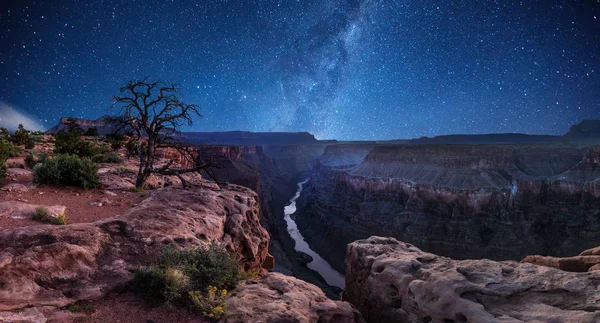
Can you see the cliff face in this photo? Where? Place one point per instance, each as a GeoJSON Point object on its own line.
{"type": "Point", "coordinates": [497, 202]}
{"type": "Point", "coordinates": [273, 172]}
{"type": "Point", "coordinates": [392, 281]}
{"type": "Point", "coordinates": [45, 265]}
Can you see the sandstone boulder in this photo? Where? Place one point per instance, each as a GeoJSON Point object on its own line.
{"type": "Point", "coordinates": [47, 265]}
{"type": "Point", "coordinates": [279, 298]}
{"type": "Point", "coordinates": [21, 210]}
{"type": "Point", "coordinates": [391, 281]}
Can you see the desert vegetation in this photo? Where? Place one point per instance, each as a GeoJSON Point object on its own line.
{"type": "Point", "coordinates": [67, 170]}
{"type": "Point", "coordinates": [154, 113]}
{"type": "Point", "coordinates": [199, 278]}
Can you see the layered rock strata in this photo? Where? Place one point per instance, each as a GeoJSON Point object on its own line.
{"type": "Point", "coordinates": [498, 202]}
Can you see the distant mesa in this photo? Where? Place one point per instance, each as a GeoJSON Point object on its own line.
{"type": "Point", "coordinates": [585, 131]}
{"type": "Point", "coordinates": [206, 138]}
{"type": "Point", "coordinates": [101, 124]}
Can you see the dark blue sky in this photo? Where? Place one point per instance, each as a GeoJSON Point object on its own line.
{"type": "Point", "coordinates": [339, 69]}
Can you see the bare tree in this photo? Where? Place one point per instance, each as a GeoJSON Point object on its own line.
{"type": "Point", "coordinates": [154, 111]}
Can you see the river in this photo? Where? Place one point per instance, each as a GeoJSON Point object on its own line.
{"type": "Point", "coordinates": [318, 264]}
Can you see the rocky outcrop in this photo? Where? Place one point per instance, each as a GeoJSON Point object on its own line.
{"type": "Point", "coordinates": [462, 201]}
{"type": "Point", "coordinates": [101, 124]}
{"type": "Point", "coordinates": [46, 265]}
{"type": "Point", "coordinates": [588, 260]}
{"type": "Point", "coordinates": [392, 281]}
{"type": "Point", "coordinates": [279, 298]}
{"type": "Point", "coordinates": [22, 210]}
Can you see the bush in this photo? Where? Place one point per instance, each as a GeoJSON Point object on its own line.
{"type": "Point", "coordinates": [176, 271]}
{"type": "Point", "coordinates": [210, 266]}
{"type": "Point", "coordinates": [23, 137]}
{"type": "Point", "coordinates": [41, 213]}
{"type": "Point", "coordinates": [162, 285]}
{"type": "Point", "coordinates": [107, 158]}
{"type": "Point", "coordinates": [71, 143]}
{"type": "Point", "coordinates": [131, 147]}
{"type": "Point", "coordinates": [34, 157]}
{"type": "Point", "coordinates": [7, 150]}
{"type": "Point", "coordinates": [67, 170]}
{"type": "Point", "coordinates": [212, 304]}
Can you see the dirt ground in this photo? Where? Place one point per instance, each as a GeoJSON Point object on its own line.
{"type": "Point", "coordinates": [127, 308]}
{"type": "Point", "coordinates": [82, 205]}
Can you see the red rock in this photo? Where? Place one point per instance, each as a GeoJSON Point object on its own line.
{"type": "Point", "coordinates": [46, 265]}
{"type": "Point", "coordinates": [279, 298]}
{"type": "Point", "coordinates": [392, 281]}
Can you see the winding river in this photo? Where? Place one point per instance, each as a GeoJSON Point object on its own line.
{"type": "Point", "coordinates": [318, 264]}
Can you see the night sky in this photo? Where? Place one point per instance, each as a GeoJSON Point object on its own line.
{"type": "Point", "coordinates": [338, 69]}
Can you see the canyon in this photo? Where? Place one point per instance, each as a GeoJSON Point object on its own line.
{"type": "Point", "coordinates": [462, 201]}
{"type": "Point", "coordinates": [450, 229]}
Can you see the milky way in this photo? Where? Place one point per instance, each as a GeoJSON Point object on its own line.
{"type": "Point", "coordinates": [349, 69]}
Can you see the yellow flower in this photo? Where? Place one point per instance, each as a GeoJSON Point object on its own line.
{"type": "Point", "coordinates": [223, 292]}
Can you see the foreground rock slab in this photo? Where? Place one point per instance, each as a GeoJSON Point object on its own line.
{"type": "Point", "coordinates": [391, 281]}
{"type": "Point", "coordinates": [45, 265]}
{"type": "Point", "coordinates": [280, 298]}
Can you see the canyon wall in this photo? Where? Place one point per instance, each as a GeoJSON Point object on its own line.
{"type": "Point", "coordinates": [273, 171]}
{"type": "Point", "coordinates": [462, 201]}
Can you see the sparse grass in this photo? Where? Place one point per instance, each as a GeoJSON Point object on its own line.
{"type": "Point", "coordinates": [41, 213]}
{"type": "Point", "coordinates": [123, 170]}
{"type": "Point", "coordinates": [110, 157]}
{"type": "Point", "coordinates": [138, 189]}
{"type": "Point", "coordinates": [81, 307]}
{"type": "Point", "coordinates": [59, 219]}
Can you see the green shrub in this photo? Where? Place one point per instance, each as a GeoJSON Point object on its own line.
{"type": "Point", "coordinates": [212, 266]}
{"type": "Point", "coordinates": [7, 150]}
{"type": "Point", "coordinates": [67, 170]}
{"type": "Point", "coordinates": [176, 271]}
{"type": "Point", "coordinates": [34, 157]}
{"type": "Point", "coordinates": [23, 137]}
{"type": "Point", "coordinates": [131, 147]}
{"type": "Point", "coordinates": [107, 158]}
{"type": "Point", "coordinates": [41, 213]}
{"type": "Point", "coordinates": [71, 143]}
{"type": "Point", "coordinates": [161, 285]}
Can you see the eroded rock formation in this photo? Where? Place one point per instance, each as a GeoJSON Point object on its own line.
{"type": "Point", "coordinates": [392, 281]}
{"type": "Point", "coordinates": [46, 265]}
{"type": "Point", "coordinates": [279, 298]}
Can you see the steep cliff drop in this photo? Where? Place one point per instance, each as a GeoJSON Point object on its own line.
{"type": "Point", "coordinates": [318, 264]}
{"type": "Point", "coordinates": [463, 201]}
